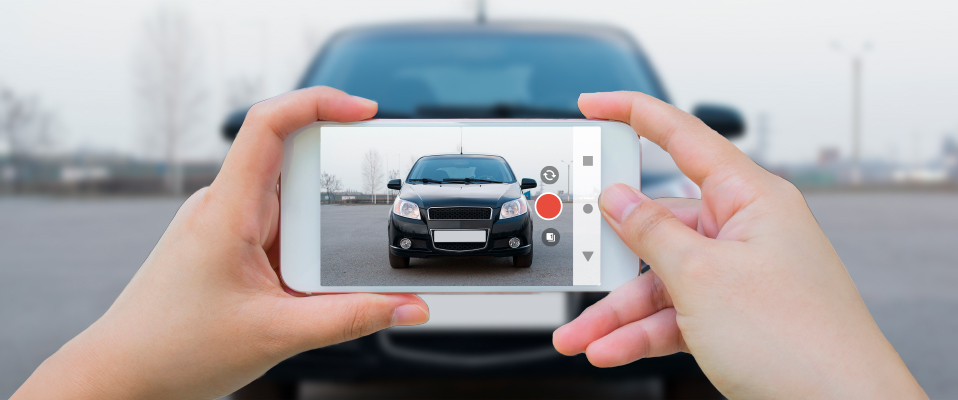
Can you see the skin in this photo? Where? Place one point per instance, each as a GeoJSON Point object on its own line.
{"type": "Point", "coordinates": [744, 279]}
{"type": "Point", "coordinates": [207, 313]}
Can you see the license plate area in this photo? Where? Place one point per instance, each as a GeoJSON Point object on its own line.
{"type": "Point", "coordinates": [459, 236]}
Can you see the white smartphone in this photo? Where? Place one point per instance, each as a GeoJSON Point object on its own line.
{"type": "Point", "coordinates": [454, 206]}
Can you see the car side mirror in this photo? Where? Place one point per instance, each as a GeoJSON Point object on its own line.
{"type": "Point", "coordinates": [233, 123]}
{"type": "Point", "coordinates": [395, 184]}
{"type": "Point", "coordinates": [527, 184]}
{"type": "Point", "coordinates": [723, 119]}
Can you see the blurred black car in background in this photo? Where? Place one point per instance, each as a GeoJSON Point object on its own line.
{"type": "Point", "coordinates": [495, 70]}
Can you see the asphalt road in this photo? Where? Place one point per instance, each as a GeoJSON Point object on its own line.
{"type": "Point", "coordinates": [62, 262]}
{"type": "Point", "coordinates": [354, 253]}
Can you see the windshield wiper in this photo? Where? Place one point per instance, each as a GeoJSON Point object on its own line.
{"type": "Point", "coordinates": [470, 180]}
{"type": "Point", "coordinates": [424, 180]}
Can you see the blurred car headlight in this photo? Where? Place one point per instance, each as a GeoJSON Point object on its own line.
{"type": "Point", "coordinates": [405, 209]}
{"type": "Point", "coordinates": [513, 208]}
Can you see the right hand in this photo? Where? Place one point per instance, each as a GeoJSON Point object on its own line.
{"type": "Point", "coordinates": [744, 279]}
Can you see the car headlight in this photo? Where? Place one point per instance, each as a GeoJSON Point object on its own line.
{"type": "Point", "coordinates": [513, 208]}
{"type": "Point", "coordinates": [406, 209]}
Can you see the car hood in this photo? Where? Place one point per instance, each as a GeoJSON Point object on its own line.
{"type": "Point", "coordinates": [460, 195]}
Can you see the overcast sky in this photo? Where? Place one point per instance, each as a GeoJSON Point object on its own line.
{"type": "Point", "coordinates": [763, 57]}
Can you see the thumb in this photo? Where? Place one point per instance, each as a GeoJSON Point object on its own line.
{"type": "Point", "coordinates": [325, 320]}
{"type": "Point", "coordinates": [653, 232]}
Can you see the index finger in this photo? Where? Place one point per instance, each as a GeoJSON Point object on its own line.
{"type": "Point", "coordinates": [697, 149]}
{"type": "Point", "coordinates": [252, 167]}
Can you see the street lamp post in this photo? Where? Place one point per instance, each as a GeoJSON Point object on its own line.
{"type": "Point", "coordinates": [568, 177]}
{"type": "Point", "coordinates": [856, 173]}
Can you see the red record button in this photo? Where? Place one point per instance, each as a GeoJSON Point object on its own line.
{"type": "Point", "coordinates": [548, 206]}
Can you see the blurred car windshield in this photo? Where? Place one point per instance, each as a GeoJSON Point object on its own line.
{"type": "Point", "coordinates": [480, 74]}
{"type": "Point", "coordinates": [460, 168]}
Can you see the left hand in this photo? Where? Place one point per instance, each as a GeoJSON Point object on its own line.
{"type": "Point", "coordinates": [207, 313]}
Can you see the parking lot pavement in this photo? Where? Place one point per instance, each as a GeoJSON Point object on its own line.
{"type": "Point", "coordinates": [900, 249]}
{"type": "Point", "coordinates": [355, 244]}
{"type": "Point", "coordinates": [63, 262]}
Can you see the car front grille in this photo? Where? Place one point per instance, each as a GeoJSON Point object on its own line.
{"type": "Point", "coordinates": [460, 213]}
{"type": "Point", "coordinates": [460, 246]}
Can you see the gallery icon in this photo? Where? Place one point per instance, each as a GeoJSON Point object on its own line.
{"type": "Point", "coordinates": [550, 237]}
{"type": "Point", "coordinates": [549, 174]}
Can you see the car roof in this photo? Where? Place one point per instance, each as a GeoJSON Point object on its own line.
{"type": "Point", "coordinates": [605, 32]}
{"type": "Point", "coordinates": [464, 155]}
{"type": "Point", "coordinates": [602, 32]}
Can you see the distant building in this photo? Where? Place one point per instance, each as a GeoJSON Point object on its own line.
{"type": "Point", "coordinates": [96, 173]}
{"type": "Point", "coordinates": [828, 156]}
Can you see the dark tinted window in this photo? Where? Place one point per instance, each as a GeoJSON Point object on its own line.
{"type": "Point", "coordinates": [458, 167]}
{"type": "Point", "coordinates": [463, 75]}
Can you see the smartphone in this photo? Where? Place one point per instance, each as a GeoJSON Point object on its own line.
{"type": "Point", "coordinates": [454, 206]}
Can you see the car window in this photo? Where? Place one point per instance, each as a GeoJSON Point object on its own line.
{"type": "Point", "coordinates": [470, 75]}
{"type": "Point", "coordinates": [457, 167]}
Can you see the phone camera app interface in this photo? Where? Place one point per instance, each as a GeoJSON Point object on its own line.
{"type": "Point", "coordinates": [459, 206]}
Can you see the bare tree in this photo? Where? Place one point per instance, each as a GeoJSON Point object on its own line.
{"type": "Point", "coordinates": [25, 126]}
{"type": "Point", "coordinates": [373, 171]}
{"type": "Point", "coordinates": [169, 85]}
{"type": "Point", "coordinates": [331, 183]}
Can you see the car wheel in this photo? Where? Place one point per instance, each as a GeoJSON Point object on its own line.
{"type": "Point", "coordinates": [522, 261]}
{"type": "Point", "coordinates": [397, 261]}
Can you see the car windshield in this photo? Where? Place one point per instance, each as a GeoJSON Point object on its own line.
{"type": "Point", "coordinates": [480, 74]}
{"type": "Point", "coordinates": [460, 169]}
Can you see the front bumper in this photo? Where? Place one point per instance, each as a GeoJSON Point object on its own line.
{"type": "Point", "coordinates": [498, 233]}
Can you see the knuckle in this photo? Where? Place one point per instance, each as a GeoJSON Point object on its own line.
{"type": "Point", "coordinates": [257, 111]}
{"type": "Point", "coordinates": [784, 194]}
{"type": "Point", "coordinates": [199, 194]}
{"type": "Point", "coordinates": [647, 217]}
{"type": "Point", "coordinates": [359, 320]}
{"type": "Point", "coordinates": [783, 187]}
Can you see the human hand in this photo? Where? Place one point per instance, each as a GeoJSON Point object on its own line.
{"type": "Point", "coordinates": [744, 279]}
{"type": "Point", "coordinates": [207, 313]}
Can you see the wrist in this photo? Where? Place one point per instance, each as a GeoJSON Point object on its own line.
{"type": "Point", "coordinates": [87, 367]}
{"type": "Point", "coordinates": [869, 367]}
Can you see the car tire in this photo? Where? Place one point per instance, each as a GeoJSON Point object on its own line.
{"type": "Point", "coordinates": [398, 262]}
{"type": "Point", "coordinates": [522, 261]}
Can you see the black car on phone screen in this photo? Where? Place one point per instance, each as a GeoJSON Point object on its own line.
{"type": "Point", "coordinates": [456, 205]}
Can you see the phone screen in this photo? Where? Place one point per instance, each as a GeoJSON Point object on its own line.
{"type": "Point", "coordinates": [460, 206]}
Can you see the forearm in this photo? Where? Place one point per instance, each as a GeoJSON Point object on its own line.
{"type": "Point", "coordinates": [81, 369]}
{"type": "Point", "coordinates": [873, 370]}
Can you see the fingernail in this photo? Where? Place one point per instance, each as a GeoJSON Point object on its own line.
{"type": "Point", "coordinates": [583, 96]}
{"type": "Point", "coordinates": [366, 102]}
{"type": "Point", "coordinates": [618, 201]}
{"type": "Point", "coordinates": [409, 314]}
